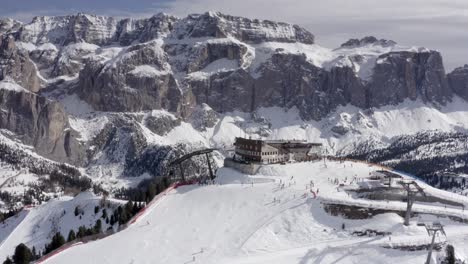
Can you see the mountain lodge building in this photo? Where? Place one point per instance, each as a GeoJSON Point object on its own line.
{"type": "Point", "coordinates": [275, 151]}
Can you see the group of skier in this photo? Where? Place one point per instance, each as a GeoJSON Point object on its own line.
{"type": "Point", "coordinates": [309, 187]}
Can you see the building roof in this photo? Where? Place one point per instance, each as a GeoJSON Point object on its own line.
{"type": "Point", "coordinates": [280, 141]}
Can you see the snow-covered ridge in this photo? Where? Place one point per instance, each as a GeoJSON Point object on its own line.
{"type": "Point", "coordinates": [95, 29]}
{"type": "Point", "coordinates": [69, 40]}
{"type": "Point", "coordinates": [11, 86]}
{"type": "Point", "coordinates": [147, 71]}
{"type": "Point", "coordinates": [215, 24]}
{"type": "Point", "coordinates": [67, 29]}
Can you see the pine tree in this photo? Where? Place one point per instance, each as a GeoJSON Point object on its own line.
{"type": "Point", "coordinates": [98, 227]}
{"type": "Point", "coordinates": [151, 192]}
{"type": "Point", "coordinates": [77, 211]}
{"type": "Point", "coordinates": [22, 254]}
{"type": "Point", "coordinates": [81, 232]}
{"type": "Point", "coordinates": [34, 253]}
{"type": "Point", "coordinates": [104, 213]}
{"type": "Point", "coordinates": [71, 236]}
{"type": "Point", "coordinates": [129, 208]}
{"type": "Point", "coordinates": [8, 261]}
{"type": "Point", "coordinates": [96, 209]}
{"type": "Point", "coordinates": [57, 241]}
{"type": "Point", "coordinates": [89, 231]}
{"type": "Point", "coordinates": [136, 208]}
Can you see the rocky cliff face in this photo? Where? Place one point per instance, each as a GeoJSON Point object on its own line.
{"type": "Point", "coordinates": [15, 64]}
{"type": "Point", "coordinates": [401, 75]}
{"type": "Point", "coordinates": [142, 30]}
{"type": "Point", "coordinates": [138, 80]}
{"type": "Point", "coordinates": [164, 62]}
{"type": "Point", "coordinates": [458, 81]}
{"type": "Point", "coordinates": [8, 24]}
{"type": "Point", "coordinates": [39, 122]}
{"type": "Point", "coordinates": [63, 30]}
{"type": "Point", "coordinates": [217, 25]}
{"type": "Point", "coordinates": [197, 68]}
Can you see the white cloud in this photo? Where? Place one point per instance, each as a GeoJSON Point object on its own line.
{"type": "Point", "coordinates": [435, 24]}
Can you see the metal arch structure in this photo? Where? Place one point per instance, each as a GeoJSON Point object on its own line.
{"type": "Point", "coordinates": [178, 162]}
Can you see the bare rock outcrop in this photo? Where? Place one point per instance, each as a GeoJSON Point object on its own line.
{"type": "Point", "coordinates": [138, 80]}
{"type": "Point", "coordinates": [41, 123]}
{"type": "Point", "coordinates": [217, 25]}
{"type": "Point", "coordinates": [63, 30]}
{"type": "Point", "coordinates": [458, 80]}
{"type": "Point", "coordinates": [401, 75]}
{"type": "Point", "coordinates": [15, 64]}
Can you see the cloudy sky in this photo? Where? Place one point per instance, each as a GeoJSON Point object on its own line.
{"type": "Point", "coordinates": [435, 24]}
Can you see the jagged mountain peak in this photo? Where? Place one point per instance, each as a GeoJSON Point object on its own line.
{"type": "Point", "coordinates": [62, 30]}
{"type": "Point", "coordinates": [96, 29]}
{"type": "Point", "coordinates": [458, 80]}
{"type": "Point", "coordinates": [368, 40]}
{"type": "Point", "coordinates": [8, 25]}
{"type": "Point", "coordinates": [219, 25]}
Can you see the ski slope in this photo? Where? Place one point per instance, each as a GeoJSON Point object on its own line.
{"type": "Point", "coordinates": [251, 219]}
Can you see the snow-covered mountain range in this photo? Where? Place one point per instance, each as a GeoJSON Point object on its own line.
{"type": "Point", "coordinates": [117, 99]}
{"type": "Point", "coordinates": [101, 104]}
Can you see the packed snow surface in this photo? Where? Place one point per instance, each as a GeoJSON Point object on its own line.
{"type": "Point", "coordinates": [251, 219]}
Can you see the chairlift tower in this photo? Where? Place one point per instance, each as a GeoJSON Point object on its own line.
{"type": "Point", "coordinates": [412, 189]}
{"type": "Point", "coordinates": [432, 231]}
